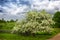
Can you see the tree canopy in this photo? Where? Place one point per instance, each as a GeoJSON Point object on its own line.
{"type": "Point", "coordinates": [56, 18]}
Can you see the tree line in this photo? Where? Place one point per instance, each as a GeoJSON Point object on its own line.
{"type": "Point", "coordinates": [4, 21]}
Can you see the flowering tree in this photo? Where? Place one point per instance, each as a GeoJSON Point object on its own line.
{"type": "Point", "coordinates": [35, 22]}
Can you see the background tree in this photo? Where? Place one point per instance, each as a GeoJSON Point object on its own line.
{"type": "Point", "coordinates": [2, 20]}
{"type": "Point", "coordinates": [56, 18]}
{"type": "Point", "coordinates": [12, 20]}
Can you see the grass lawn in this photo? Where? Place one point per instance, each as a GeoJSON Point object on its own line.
{"type": "Point", "coordinates": [7, 36]}
{"type": "Point", "coordinates": [57, 30]}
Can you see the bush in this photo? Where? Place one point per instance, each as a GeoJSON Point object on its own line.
{"type": "Point", "coordinates": [35, 22]}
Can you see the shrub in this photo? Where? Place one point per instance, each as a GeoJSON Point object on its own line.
{"type": "Point", "coordinates": [35, 22]}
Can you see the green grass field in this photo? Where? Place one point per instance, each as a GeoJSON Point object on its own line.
{"type": "Point", "coordinates": [6, 36]}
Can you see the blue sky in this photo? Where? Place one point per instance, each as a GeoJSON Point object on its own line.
{"type": "Point", "coordinates": [16, 9]}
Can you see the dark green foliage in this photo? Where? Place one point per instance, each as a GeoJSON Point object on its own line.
{"type": "Point", "coordinates": [2, 21]}
{"type": "Point", "coordinates": [56, 18]}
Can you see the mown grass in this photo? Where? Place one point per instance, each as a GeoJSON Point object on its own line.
{"type": "Point", "coordinates": [6, 36]}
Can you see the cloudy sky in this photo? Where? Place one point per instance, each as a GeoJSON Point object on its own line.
{"type": "Point", "coordinates": [16, 9]}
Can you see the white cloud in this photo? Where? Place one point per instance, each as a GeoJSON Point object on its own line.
{"type": "Point", "coordinates": [45, 4]}
{"type": "Point", "coordinates": [18, 9]}
{"type": "Point", "coordinates": [35, 4]}
{"type": "Point", "coordinates": [14, 9]}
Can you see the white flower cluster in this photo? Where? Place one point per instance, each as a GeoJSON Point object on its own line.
{"type": "Point", "coordinates": [35, 22]}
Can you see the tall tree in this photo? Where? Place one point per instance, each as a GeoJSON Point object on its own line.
{"type": "Point", "coordinates": [56, 18]}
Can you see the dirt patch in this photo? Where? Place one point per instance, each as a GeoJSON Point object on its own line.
{"type": "Point", "coordinates": [57, 37]}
